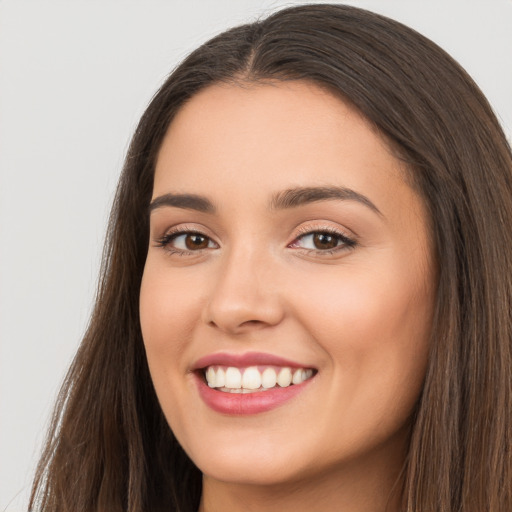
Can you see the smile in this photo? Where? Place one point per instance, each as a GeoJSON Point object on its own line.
{"type": "Point", "coordinates": [250, 383]}
{"type": "Point", "coordinates": [252, 379]}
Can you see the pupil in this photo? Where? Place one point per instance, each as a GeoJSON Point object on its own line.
{"type": "Point", "coordinates": [196, 242]}
{"type": "Point", "coordinates": [325, 241]}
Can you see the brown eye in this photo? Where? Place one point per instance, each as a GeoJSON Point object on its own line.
{"type": "Point", "coordinates": [325, 241]}
{"type": "Point", "coordinates": [186, 241]}
{"type": "Point", "coordinates": [194, 241]}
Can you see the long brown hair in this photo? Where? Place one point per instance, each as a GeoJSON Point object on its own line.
{"type": "Point", "coordinates": [110, 448]}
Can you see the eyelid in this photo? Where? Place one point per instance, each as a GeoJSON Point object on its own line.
{"type": "Point", "coordinates": [184, 228]}
{"type": "Point", "coordinates": [348, 241]}
{"type": "Point", "coordinates": [174, 232]}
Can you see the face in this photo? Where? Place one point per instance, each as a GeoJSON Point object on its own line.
{"type": "Point", "coordinates": [288, 290]}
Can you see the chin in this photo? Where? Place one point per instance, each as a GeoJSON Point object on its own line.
{"type": "Point", "coordinates": [250, 464]}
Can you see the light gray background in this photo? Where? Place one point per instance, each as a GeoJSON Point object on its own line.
{"type": "Point", "coordinates": [75, 75]}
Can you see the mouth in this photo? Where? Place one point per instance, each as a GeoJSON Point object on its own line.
{"type": "Point", "coordinates": [254, 379]}
{"type": "Point", "coordinates": [250, 383]}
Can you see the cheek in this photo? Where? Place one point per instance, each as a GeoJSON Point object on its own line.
{"type": "Point", "coordinates": [168, 314]}
{"type": "Point", "coordinates": [374, 325]}
{"type": "Point", "coordinates": [169, 309]}
{"type": "Point", "coordinates": [365, 308]}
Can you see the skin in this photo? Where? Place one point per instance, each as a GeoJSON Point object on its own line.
{"type": "Point", "coordinates": [360, 315]}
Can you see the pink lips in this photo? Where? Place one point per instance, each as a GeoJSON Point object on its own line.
{"type": "Point", "coordinates": [250, 403]}
{"type": "Point", "coordinates": [244, 360]}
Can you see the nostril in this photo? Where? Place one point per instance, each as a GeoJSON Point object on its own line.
{"type": "Point", "coordinates": [242, 326]}
{"type": "Point", "coordinates": [252, 322]}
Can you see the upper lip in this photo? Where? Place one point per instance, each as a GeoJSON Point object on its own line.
{"type": "Point", "coordinates": [244, 360]}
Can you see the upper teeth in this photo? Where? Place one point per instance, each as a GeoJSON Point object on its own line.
{"type": "Point", "coordinates": [253, 378]}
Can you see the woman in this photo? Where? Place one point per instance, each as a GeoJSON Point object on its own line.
{"type": "Point", "coordinates": [306, 292]}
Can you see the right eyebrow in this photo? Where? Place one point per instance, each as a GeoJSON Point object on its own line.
{"type": "Point", "coordinates": [186, 201]}
{"type": "Point", "coordinates": [299, 196]}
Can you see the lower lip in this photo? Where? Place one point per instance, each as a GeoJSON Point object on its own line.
{"type": "Point", "coordinates": [247, 403]}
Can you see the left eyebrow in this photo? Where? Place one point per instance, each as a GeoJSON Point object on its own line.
{"type": "Point", "coordinates": [304, 195]}
{"type": "Point", "coordinates": [185, 201]}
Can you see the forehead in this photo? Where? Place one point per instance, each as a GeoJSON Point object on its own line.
{"type": "Point", "coordinates": [249, 141]}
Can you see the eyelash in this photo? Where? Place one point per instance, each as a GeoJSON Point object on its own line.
{"type": "Point", "coordinates": [345, 242]}
{"type": "Point", "coordinates": [165, 241]}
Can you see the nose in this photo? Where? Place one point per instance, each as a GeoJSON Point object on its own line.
{"type": "Point", "coordinates": [245, 294]}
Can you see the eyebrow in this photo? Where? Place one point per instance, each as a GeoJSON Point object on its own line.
{"type": "Point", "coordinates": [290, 198]}
{"type": "Point", "coordinates": [299, 196]}
{"type": "Point", "coordinates": [185, 201]}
